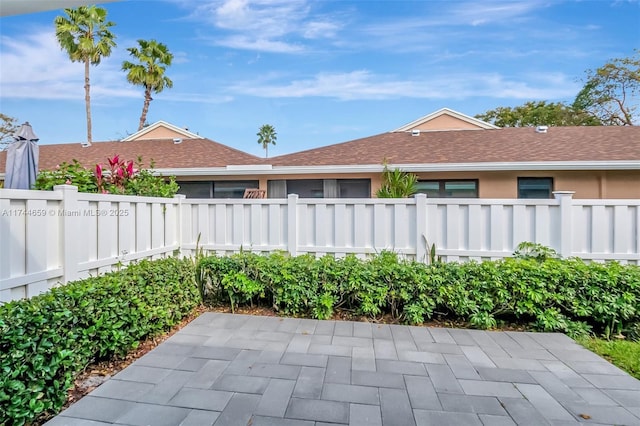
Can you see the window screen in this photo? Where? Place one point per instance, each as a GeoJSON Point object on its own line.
{"type": "Point", "coordinates": [232, 188]}
{"type": "Point", "coordinates": [354, 188]}
{"type": "Point", "coordinates": [448, 188]}
{"type": "Point", "coordinates": [535, 187]}
{"type": "Point", "coordinates": [216, 189]}
{"type": "Point", "coordinates": [306, 188]}
{"type": "Point", "coordinates": [195, 189]}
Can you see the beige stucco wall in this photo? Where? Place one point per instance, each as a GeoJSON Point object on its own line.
{"type": "Point", "coordinates": [446, 122]}
{"type": "Point", "coordinates": [586, 184]}
{"type": "Point", "coordinates": [160, 133]}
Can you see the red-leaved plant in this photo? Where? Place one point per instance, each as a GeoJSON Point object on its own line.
{"type": "Point", "coordinates": [115, 178]}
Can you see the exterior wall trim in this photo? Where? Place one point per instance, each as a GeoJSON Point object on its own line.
{"type": "Point", "coordinates": [238, 170]}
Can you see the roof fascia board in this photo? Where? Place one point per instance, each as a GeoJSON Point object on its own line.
{"type": "Point", "coordinates": [187, 134]}
{"type": "Point", "coordinates": [415, 168]}
{"type": "Point", "coordinates": [442, 111]}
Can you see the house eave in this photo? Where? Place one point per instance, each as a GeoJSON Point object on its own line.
{"type": "Point", "coordinates": [267, 169]}
{"type": "Point", "coordinates": [239, 170]}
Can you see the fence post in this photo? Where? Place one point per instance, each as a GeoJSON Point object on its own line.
{"type": "Point", "coordinates": [566, 221]}
{"type": "Point", "coordinates": [421, 228]}
{"type": "Point", "coordinates": [71, 233]}
{"type": "Point", "coordinates": [179, 229]}
{"type": "Point", "coordinates": [5, 248]}
{"type": "Point", "coordinates": [292, 224]}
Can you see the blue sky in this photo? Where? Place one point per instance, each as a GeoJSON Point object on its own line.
{"type": "Point", "coordinates": [320, 72]}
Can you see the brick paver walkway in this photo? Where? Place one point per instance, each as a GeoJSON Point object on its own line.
{"type": "Point", "coordinates": [241, 370]}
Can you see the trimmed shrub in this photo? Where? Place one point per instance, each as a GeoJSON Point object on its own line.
{"type": "Point", "coordinates": [47, 340]}
{"type": "Point", "coordinates": [543, 292]}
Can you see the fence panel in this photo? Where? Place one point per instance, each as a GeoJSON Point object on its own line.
{"type": "Point", "coordinates": [51, 237]}
{"type": "Point", "coordinates": [226, 226]}
{"type": "Point", "coordinates": [607, 230]}
{"type": "Point", "coordinates": [357, 226]}
{"type": "Point", "coordinates": [59, 236]}
{"type": "Point", "coordinates": [484, 229]}
{"type": "Point", "coordinates": [29, 219]}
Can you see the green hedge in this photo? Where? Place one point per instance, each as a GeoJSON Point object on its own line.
{"type": "Point", "coordinates": [546, 294]}
{"type": "Point", "coordinates": [47, 340]}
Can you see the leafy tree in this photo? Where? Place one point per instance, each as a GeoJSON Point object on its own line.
{"type": "Point", "coordinates": [267, 135]}
{"type": "Point", "coordinates": [397, 184]}
{"type": "Point", "coordinates": [86, 37]}
{"type": "Point", "coordinates": [539, 113]}
{"type": "Point", "coordinates": [8, 127]}
{"type": "Point", "coordinates": [611, 92]}
{"type": "Point", "coordinates": [149, 71]}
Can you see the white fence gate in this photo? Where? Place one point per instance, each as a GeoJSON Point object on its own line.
{"type": "Point", "coordinates": [59, 236]}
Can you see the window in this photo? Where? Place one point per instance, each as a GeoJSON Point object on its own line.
{"type": "Point", "coordinates": [195, 189]}
{"type": "Point", "coordinates": [448, 188]}
{"type": "Point", "coordinates": [320, 188]}
{"type": "Point", "coordinates": [232, 188]}
{"type": "Point", "coordinates": [306, 188]}
{"type": "Point", "coordinates": [216, 189]}
{"type": "Point", "coordinates": [529, 187]}
{"type": "Point", "coordinates": [277, 188]}
{"type": "Point", "coordinates": [354, 188]}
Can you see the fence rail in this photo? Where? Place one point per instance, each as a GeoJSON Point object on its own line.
{"type": "Point", "coordinates": [63, 235]}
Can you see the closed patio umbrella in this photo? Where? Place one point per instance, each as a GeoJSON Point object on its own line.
{"type": "Point", "coordinates": [22, 159]}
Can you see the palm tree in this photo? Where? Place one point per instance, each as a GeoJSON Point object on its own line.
{"type": "Point", "coordinates": [153, 59]}
{"type": "Point", "coordinates": [267, 135]}
{"type": "Point", "coordinates": [84, 34]}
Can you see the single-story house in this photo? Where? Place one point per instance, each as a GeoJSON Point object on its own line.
{"type": "Point", "coordinates": [452, 154]}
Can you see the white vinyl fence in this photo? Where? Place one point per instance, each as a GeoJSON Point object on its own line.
{"type": "Point", "coordinates": [59, 236]}
{"type": "Point", "coordinates": [50, 237]}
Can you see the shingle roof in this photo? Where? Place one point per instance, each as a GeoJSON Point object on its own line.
{"type": "Point", "coordinates": [166, 154]}
{"type": "Point", "coordinates": [511, 145]}
{"type": "Point", "coordinates": [602, 143]}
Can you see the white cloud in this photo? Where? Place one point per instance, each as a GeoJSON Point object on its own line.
{"type": "Point", "coordinates": [259, 44]}
{"type": "Point", "coordinates": [485, 12]}
{"type": "Point", "coordinates": [265, 25]}
{"type": "Point", "coordinates": [180, 58]}
{"type": "Point", "coordinates": [34, 67]}
{"type": "Point", "coordinates": [315, 30]}
{"type": "Point", "coordinates": [199, 98]}
{"type": "Point", "coordinates": [363, 85]}
{"type": "Point", "coordinates": [447, 24]}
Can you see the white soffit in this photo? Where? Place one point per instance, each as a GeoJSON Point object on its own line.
{"type": "Point", "coordinates": [415, 168]}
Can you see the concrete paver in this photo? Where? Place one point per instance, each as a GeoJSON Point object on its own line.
{"type": "Point", "coordinates": [225, 369]}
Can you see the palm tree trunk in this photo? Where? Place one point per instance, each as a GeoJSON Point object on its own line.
{"type": "Point", "coordinates": [87, 98]}
{"type": "Point", "coordinates": [145, 107]}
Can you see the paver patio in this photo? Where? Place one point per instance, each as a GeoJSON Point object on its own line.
{"type": "Point", "coordinates": [226, 369]}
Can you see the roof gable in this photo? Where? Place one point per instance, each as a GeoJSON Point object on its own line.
{"type": "Point", "coordinates": [161, 130]}
{"type": "Point", "coordinates": [445, 119]}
